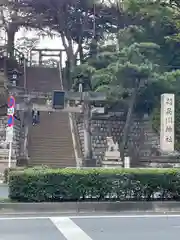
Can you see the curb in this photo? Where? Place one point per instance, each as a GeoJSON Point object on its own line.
{"type": "Point", "coordinates": [89, 207]}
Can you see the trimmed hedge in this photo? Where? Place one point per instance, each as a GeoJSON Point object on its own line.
{"type": "Point", "coordinates": [54, 185]}
{"type": "Point", "coordinates": [8, 170]}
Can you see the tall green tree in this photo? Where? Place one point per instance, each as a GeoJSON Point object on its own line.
{"type": "Point", "coordinates": [26, 44]}
{"type": "Point", "coordinates": [76, 22]}
{"type": "Point", "coordinates": [14, 16]}
{"type": "Point", "coordinates": [124, 73]}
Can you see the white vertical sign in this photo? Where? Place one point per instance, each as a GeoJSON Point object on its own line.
{"type": "Point", "coordinates": [9, 134]}
{"type": "Point", "coordinates": [167, 122]}
{"type": "Point", "coordinates": [127, 162]}
{"type": "Point", "coordinates": [10, 111]}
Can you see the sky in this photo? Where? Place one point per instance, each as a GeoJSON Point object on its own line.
{"type": "Point", "coordinates": [45, 42]}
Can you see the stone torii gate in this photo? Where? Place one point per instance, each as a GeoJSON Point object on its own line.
{"type": "Point", "coordinates": [44, 52]}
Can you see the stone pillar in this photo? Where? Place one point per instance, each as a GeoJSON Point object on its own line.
{"type": "Point", "coordinates": [89, 161]}
{"type": "Point", "coordinates": [127, 162]}
{"type": "Point", "coordinates": [61, 59]}
{"type": "Point", "coordinates": [167, 122]}
{"type": "Point", "coordinates": [87, 133]}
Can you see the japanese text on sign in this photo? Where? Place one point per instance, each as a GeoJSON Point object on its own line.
{"type": "Point", "coordinates": [167, 122]}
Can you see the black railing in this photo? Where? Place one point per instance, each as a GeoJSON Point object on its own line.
{"type": "Point", "coordinates": [19, 57]}
{"type": "Point", "coordinates": [16, 56]}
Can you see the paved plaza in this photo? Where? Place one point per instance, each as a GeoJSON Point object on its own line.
{"type": "Point", "coordinates": [136, 227]}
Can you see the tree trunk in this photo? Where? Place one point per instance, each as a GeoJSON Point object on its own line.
{"type": "Point", "coordinates": [72, 61]}
{"type": "Point", "coordinates": [3, 95]}
{"type": "Point", "coordinates": [10, 41]}
{"type": "Point", "coordinates": [128, 122]}
{"type": "Point", "coordinates": [71, 57]}
{"type": "Point", "coordinates": [93, 48]}
{"type": "Point", "coordinates": [81, 55]}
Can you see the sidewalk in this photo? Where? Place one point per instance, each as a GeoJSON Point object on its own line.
{"type": "Point", "coordinates": [3, 191]}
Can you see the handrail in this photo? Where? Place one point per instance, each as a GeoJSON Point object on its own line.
{"type": "Point", "coordinates": [33, 94]}
{"type": "Point", "coordinates": [18, 56]}
{"type": "Point", "coordinates": [26, 133]}
{"type": "Point", "coordinates": [77, 139]}
{"type": "Point", "coordinates": [60, 76]}
{"type": "Point", "coordinates": [26, 142]}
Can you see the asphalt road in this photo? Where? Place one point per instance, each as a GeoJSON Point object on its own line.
{"type": "Point", "coordinates": [127, 227]}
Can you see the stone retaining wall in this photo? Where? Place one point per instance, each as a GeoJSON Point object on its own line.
{"type": "Point", "coordinates": [141, 141]}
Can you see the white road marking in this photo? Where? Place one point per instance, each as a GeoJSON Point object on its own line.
{"type": "Point", "coordinates": [69, 229]}
{"type": "Point", "coordinates": [93, 217]}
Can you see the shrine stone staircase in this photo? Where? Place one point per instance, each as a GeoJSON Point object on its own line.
{"type": "Point", "coordinates": [50, 142]}
{"type": "Point", "coordinates": [43, 79]}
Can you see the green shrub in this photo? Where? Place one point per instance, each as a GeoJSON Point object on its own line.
{"type": "Point", "coordinates": [43, 185]}
{"type": "Point", "coordinates": [8, 170]}
{"type": "Point", "coordinates": [6, 175]}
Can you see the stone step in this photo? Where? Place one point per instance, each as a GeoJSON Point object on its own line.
{"type": "Point", "coordinates": [51, 145]}
{"type": "Point", "coordinates": [54, 165]}
{"type": "Point", "coordinates": [65, 162]}
{"type": "Point", "coordinates": [43, 138]}
{"type": "Point", "coordinates": [54, 155]}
